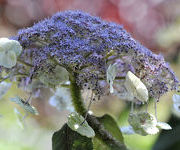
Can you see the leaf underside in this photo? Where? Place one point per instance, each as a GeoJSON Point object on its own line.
{"type": "Point", "coordinates": [67, 139]}
{"type": "Point", "coordinates": [112, 128]}
{"type": "Point", "coordinates": [83, 129]}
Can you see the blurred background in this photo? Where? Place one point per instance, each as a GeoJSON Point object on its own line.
{"type": "Point", "coordinates": [155, 23]}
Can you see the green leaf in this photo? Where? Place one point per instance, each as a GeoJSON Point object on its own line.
{"type": "Point", "coordinates": [67, 139]}
{"type": "Point", "coordinates": [98, 145]}
{"type": "Point", "coordinates": [75, 123]}
{"type": "Point", "coordinates": [112, 129]}
{"type": "Point", "coordinates": [111, 126]}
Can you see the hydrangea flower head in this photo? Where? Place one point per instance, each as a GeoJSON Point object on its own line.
{"type": "Point", "coordinates": [85, 46]}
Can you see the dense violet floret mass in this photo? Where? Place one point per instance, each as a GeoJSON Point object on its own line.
{"type": "Point", "coordinates": [86, 46]}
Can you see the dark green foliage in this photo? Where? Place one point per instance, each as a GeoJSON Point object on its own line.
{"type": "Point", "coordinates": [112, 130]}
{"type": "Point", "coordinates": [67, 139]}
{"type": "Point", "coordinates": [99, 145]}
{"type": "Point", "coordinates": [112, 127]}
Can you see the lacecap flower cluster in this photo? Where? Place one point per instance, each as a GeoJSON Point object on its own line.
{"type": "Point", "coordinates": [85, 46]}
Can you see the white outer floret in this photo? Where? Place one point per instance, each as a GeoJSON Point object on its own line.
{"type": "Point", "coordinates": [111, 74]}
{"type": "Point", "coordinates": [136, 87]}
{"type": "Point", "coordinates": [9, 50]}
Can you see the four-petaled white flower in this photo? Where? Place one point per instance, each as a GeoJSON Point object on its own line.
{"type": "Point", "coordinates": [9, 50]}
{"type": "Point", "coordinates": [144, 123]}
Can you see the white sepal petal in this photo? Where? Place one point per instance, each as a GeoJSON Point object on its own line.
{"type": "Point", "coordinates": [8, 59]}
{"type": "Point", "coordinates": [151, 130]}
{"type": "Point", "coordinates": [9, 50]}
{"type": "Point", "coordinates": [111, 74]}
{"type": "Point", "coordinates": [136, 87]}
{"type": "Point", "coordinates": [10, 45]}
{"type": "Point", "coordinates": [163, 125]}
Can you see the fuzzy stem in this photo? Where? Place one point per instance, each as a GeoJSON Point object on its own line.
{"type": "Point", "coordinates": [76, 97]}
{"type": "Point", "coordinates": [99, 129]}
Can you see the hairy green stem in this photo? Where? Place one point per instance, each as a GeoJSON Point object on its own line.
{"type": "Point", "coordinates": [99, 129]}
{"type": "Point", "coordinates": [76, 96]}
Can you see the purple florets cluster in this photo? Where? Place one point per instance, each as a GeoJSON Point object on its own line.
{"type": "Point", "coordinates": [85, 45]}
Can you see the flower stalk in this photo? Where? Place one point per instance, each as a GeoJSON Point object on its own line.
{"type": "Point", "coordinates": [99, 129]}
{"type": "Point", "coordinates": [76, 96]}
